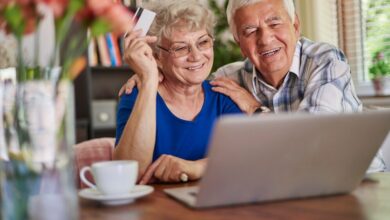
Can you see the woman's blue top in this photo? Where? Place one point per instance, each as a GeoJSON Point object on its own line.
{"type": "Point", "coordinates": [174, 136]}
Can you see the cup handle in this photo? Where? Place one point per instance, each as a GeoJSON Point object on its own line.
{"type": "Point", "coordinates": [84, 179]}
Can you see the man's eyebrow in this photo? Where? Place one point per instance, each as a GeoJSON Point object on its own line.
{"type": "Point", "coordinates": [248, 26]}
{"type": "Point", "coordinates": [273, 18]}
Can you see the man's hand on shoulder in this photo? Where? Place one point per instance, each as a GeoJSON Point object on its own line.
{"type": "Point", "coordinates": [132, 82]}
{"type": "Point", "coordinates": [244, 99]}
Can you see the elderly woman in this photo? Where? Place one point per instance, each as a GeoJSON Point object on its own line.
{"type": "Point", "coordinates": [166, 126]}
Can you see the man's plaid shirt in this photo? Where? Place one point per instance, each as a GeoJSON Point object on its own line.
{"type": "Point", "coordinates": [319, 80]}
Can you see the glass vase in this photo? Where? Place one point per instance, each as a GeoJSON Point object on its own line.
{"type": "Point", "coordinates": [37, 178]}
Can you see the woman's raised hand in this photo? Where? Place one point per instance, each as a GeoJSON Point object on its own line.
{"type": "Point", "coordinates": [139, 55]}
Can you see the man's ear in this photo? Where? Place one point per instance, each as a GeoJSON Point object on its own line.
{"type": "Point", "coordinates": [297, 26]}
{"type": "Point", "coordinates": [242, 52]}
{"type": "Point", "coordinates": [238, 43]}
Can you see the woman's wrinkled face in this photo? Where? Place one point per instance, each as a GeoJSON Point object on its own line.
{"type": "Point", "coordinates": [186, 57]}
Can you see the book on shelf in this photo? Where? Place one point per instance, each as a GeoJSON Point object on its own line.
{"type": "Point", "coordinates": [103, 51]}
{"type": "Point", "coordinates": [107, 50]}
{"type": "Point", "coordinates": [113, 49]}
{"type": "Point", "coordinates": [92, 53]}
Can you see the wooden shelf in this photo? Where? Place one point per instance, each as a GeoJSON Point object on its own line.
{"type": "Point", "coordinates": [97, 83]}
{"type": "Point", "coordinates": [104, 69]}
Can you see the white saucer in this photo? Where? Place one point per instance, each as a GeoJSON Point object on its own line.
{"type": "Point", "coordinates": [137, 192]}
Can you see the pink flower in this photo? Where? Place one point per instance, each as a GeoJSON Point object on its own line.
{"type": "Point", "coordinates": [58, 6]}
{"type": "Point", "coordinates": [23, 2]}
{"type": "Point", "coordinates": [99, 7]}
{"type": "Point", "coordinates": [119, 18]}
{"type": "Point", "coordinates": [380, 56]}
{"type": "Point", "coordinates": [29, 14]}
{"type": "Point", "coordinates": [3, 3]}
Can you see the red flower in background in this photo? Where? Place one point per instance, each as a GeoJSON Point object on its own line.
{"type": "Point", "coordinates": [119, 18]}
{"type": "Point", "coordinates": [31, 16]}
{"type": "Point", "coordinates": [21, 17]}
{"type": "Point", "coordinates": [57, 6]}
{"type": "Point", "coordinates": [19, 14]}
{"type": "Point", "coordinates": [116, 15]}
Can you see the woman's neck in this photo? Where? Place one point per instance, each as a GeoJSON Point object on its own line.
{"type": "Point", "coordinates": [183, 101]}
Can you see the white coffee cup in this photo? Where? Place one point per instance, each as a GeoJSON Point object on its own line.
{"type": "Point", "coordinates": [112, 177]}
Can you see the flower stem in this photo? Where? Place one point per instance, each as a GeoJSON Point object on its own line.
{"type": "Point", "coordinates": [21, 71]}
{"type": "Point", "coordinates": [36, 46]}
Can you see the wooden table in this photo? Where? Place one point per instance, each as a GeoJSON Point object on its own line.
{"type": "Point", "coordinates": [371, 200]}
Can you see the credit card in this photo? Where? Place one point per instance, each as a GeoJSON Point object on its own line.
{"type": "Point", "coordinates": [144, 19]}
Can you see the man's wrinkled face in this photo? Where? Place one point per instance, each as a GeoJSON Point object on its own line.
{"type": "Point", "coordinates": [267, 36]}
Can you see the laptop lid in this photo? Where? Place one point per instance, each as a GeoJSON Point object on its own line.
{"type": "Point", "coordinates": [273, 157]}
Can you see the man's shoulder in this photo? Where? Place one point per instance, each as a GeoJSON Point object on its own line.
{"type": "Point", "coordinates": [229, 69]}
{"type": "Point", "coordinates": [320, 51]}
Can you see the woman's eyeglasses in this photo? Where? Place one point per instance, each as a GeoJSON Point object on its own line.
{"type": "Point", "coordinates": [183, 49]}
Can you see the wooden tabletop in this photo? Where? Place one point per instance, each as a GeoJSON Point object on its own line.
{"type": "Point", "coordinates": [371, 200]}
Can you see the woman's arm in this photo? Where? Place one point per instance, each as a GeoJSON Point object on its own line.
{"type": "Point", "coordinates": [138, 136]}
{"type": "Point", "coordinates": [168, 168]}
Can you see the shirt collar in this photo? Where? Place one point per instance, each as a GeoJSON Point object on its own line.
{"type": "Point", "coordinates": [296, 60]}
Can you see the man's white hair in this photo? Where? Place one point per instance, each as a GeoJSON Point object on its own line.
{"type": "Point", "coordinates": [234, 5]}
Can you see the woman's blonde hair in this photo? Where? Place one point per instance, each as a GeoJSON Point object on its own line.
{"type": "Point", "coordinates": [183, 15]}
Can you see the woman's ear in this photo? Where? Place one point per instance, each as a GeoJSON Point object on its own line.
{"type": "Point", "coordinates": [157, 57]}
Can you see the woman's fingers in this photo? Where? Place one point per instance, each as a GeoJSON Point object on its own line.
{"type": "Point", "coordinates": [173, 168]}
{"type": "Point", "coordinates": [131, 36]}
{"type": "Point", "coordinates": [150, 171]}
{"type": "Point", "coordinates": [150, 39]}
{"type": "Point", "coordinates": [166, 168]}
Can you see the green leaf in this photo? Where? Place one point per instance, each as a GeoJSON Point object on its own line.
{"type": "Point", "coordinates": [380, 68]}
{"type": "Point", "coordinates": [14, 18]}
{"type": "Point", "coordinates": [76, 5]}
{"type": "Point", "coordinates": [99, 27]}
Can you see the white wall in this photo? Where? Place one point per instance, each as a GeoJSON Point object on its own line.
{"type": "Point", "coordinates": [318, 20]}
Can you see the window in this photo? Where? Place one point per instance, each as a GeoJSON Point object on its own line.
{"type": "Point", "coordinates": [361, 28]}
{"type": "Point", "coordinates": [364, 31]}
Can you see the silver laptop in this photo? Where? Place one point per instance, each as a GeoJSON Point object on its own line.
{"type": "Point", "coordinates": [277, 157]}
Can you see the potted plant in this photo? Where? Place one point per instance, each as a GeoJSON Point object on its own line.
{"type": "Point", "coordinates": [380, 74]}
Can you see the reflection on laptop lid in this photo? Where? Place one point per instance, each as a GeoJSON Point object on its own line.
{"type": "Point", "coordinates": [276, 157]}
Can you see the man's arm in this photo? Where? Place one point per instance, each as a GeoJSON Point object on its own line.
{"type": "Point", "coordinates": [243, 98]}
{"type": "Point", "coordinates": [233, 81]}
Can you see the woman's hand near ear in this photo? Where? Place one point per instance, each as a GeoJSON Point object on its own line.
{"type": "Point", "coordinates": [139, 55]}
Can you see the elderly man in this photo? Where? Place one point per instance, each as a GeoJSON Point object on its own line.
{"type": "Point", "coordinates": [283, 72]}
